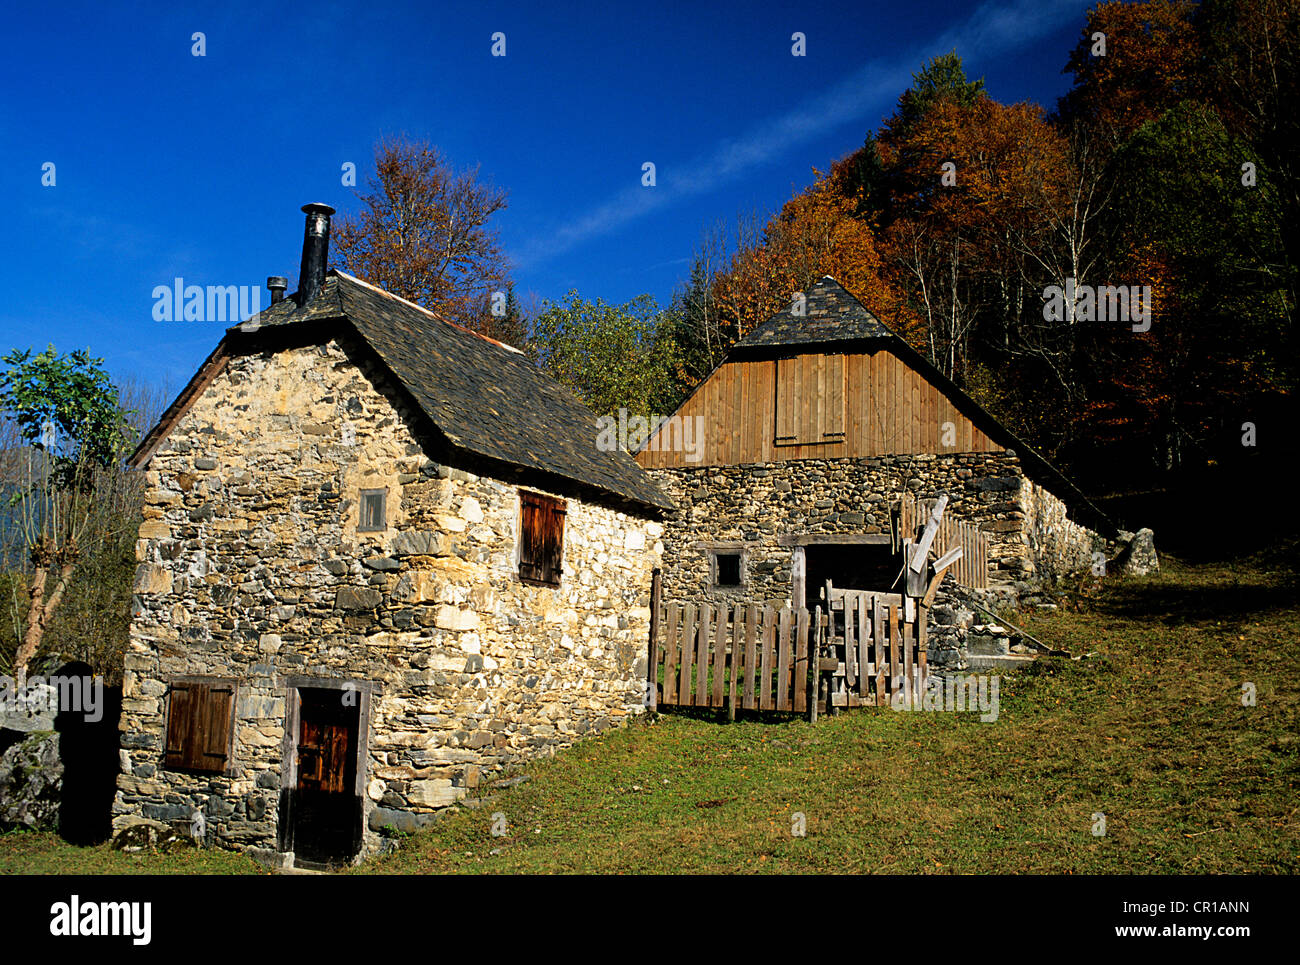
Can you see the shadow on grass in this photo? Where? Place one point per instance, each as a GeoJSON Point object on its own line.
{"type": "Point", "coordinates": [715, 716]}
{"type": "Point", "coordinates": [1178, 605]}
{"type": "Point", "coordinates": [1266, 582]}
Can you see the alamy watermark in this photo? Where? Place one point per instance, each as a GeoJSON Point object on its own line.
{"type": "Point", "coordinates": [676, 433]}
{"type": "Point", "coordinates": [53, 695]}
{"type": "Point", "coordinates": [180, 302]}
{"type": "Point", "coordinates": [962, 693]}
{"type": "Point", "coordinates": [1104, 303]}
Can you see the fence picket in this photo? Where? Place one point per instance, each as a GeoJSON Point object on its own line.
{"type": "Point", "coordinates": [737, 630]}
{"type": "Point", "coordinates": [765, 661]}
{"type": "Point", "coordinates": [800, 682]}
{"type": "Point", "coordinates": [751, 631]}
{"type": "Point", "coordinates": [864, 639]}
{"type": "Point", "coordinates": [850, 652]}
{"type": "Point", "coordinates": [783, 660]}
{"type": "Point", "coordinates": [881, 656]}
{"type": "Point", "coordinates": [670, 657]}
{"type": "Point", "coordinates": [690, 627]}
{"type": "Point", "coordinates": [719, 659]}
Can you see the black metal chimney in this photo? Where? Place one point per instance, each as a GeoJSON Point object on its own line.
{"type": "Point", "coordinates": [277, 284]}
{"type": "Point", "coordinates": [315, 251]}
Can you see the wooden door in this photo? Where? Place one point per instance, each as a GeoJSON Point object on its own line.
{"type": "Point", "coordinates": [323, 751]}
{"type": "Point", "coordinates": [325, 806]}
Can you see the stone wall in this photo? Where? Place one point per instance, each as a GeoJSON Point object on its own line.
{"type": "Point", "coordinates": [756, 505]}
{"type": "Point", "coordinates": [1056, 544]}
{"type": "Point", "coordinates": [251, 566]}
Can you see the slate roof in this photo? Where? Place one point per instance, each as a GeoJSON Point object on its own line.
{"type": "Point", "coordinates": [484, 397]}
{"type": "Point", "coordinates": [831, 314]}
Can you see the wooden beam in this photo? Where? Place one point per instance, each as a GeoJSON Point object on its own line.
{"type": "Point", "coordinates": [927, 537]}
{"type": "Point", "coordinates": [1050, 651]}
{"type": "Point", "coordinates": [948, 558]}
{"type": "Point", "coordinates": [842, 539]}
{"type": "Point", "coordinates": [934, 585]}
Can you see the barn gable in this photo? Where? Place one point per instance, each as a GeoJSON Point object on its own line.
{"type": "Point", "coordinates": [837, 383]}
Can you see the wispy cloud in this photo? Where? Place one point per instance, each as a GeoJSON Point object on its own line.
{"type": "Point", "coordinates": [993, 29]}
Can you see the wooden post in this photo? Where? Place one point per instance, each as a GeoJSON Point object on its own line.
{"type": "Point", "coordinates": [652, 671]}
{"type": "Point", "coordinates": [815, 646]}
{"type": "Point", "coordinates": [799, 576]}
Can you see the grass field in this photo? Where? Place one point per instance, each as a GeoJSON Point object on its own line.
{"type": "Point", "coordinates": [1150, 731]}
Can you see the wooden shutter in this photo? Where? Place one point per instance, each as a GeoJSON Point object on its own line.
{"type": "Point", "coordinates": [809, 399]}
{"type": "Point", "coordinates": [830, 399]}
{"type": "Point", "coordinates": [541, 538]}
{"type": "Point", "coordinates": [200, 714]}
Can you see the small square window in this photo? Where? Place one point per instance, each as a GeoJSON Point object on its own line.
{"type": "Point", "coordinates": [374, 510]}
{"type": "Point", "coordinates": [726, 568]}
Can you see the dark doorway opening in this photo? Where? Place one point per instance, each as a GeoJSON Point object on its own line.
{"type": "Point", "coordinates": [321, 813]}
{"type": "Point", "coordinates": [90, 753]}
{"type": "Point", "coordinates": [849, 566]}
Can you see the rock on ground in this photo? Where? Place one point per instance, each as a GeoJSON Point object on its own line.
{"type": "Point", "coordinates": [31, 778]}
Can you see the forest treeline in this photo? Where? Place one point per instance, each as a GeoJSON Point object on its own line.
{"type": "Point", "coordinates": [1165, 174]}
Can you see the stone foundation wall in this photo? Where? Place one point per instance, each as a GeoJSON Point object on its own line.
{"type": "Point", "coordinates": [752, 508]}
{"type": "Point", "coordinates": [1057, 544]}
{"type": "Point", "coordinates": [251, 566]}
{"type": "Point", "coordinates": [755, 506]}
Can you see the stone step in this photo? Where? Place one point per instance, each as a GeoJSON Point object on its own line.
{"type": "Point", "coordinates": [988, 645]}
{"type": "Point", "coordinates": [1005, 663]}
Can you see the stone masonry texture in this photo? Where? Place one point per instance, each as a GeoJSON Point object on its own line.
{"type": "Point", "coordinates": [251, 566]}
{"type": "Point", "coordinates": [1032, 541]}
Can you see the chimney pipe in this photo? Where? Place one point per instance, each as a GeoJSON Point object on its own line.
{"type": "Point", "coordinates": [277, 284]}
{"type": "Point", "coordinates": [315, 251]}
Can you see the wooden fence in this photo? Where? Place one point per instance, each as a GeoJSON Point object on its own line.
{"type": "Point", "coordinates": [742, 656]}
{"type": "Point", "coordinates": [972, 569]}
{"type": "Point", "coordinates": [876, 649]}
{"type": "Point", "coordinates": [758, 658]}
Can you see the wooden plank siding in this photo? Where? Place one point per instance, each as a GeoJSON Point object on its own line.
{"type": "Point", "coordinates": [852, 405]}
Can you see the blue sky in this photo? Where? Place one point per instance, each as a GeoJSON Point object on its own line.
{"type": "Point", "coordinates": [168, 165]}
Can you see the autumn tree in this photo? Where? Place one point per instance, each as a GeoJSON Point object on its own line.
{"type": "Point", "coordinates": [425, 232]}
{"type": "Point", "coordinates": [956, 166]}
{"type": "Point", "coordinates": [1148, 64]}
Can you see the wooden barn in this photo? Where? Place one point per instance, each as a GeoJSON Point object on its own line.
{"type": "Point", "coordinates": [821, 443]}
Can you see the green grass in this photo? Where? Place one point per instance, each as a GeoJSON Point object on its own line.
{"type": "Point", "coordinates": [1150, 731]}
{"type": "Point", "coordinates": [40, 852]}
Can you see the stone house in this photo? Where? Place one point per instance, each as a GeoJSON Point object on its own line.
{"type": "Point", "coordinates": [815, 428]}
{"type": "Point", "coordinates": [381, 560]}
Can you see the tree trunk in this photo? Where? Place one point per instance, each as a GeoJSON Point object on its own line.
{"type": "Point", "coordinates": [39, 612]}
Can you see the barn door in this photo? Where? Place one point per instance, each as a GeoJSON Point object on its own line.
{"type": "Point", "coordinates": [325, 810]}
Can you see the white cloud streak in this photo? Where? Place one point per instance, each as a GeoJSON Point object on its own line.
{"type": "Point", "coordinates": [993, 29]}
